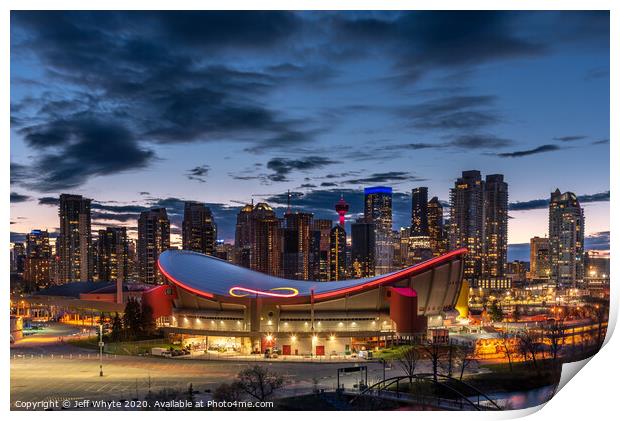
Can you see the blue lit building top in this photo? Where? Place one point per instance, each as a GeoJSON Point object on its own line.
{"type": "Point", "coordinates": [378, 189]}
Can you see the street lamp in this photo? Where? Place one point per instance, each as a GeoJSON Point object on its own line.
{"type": "Point", "coordinates": [101, 350]}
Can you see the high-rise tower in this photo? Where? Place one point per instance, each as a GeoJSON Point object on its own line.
{"type": "Point", "coordinates": [199, 229]}
{"type": "Point", "coordinates": [419, 212]}
{"type": "Point", "coordinates": [153, 239]}
{"type": "Point", "coordinates": [566, 236]}
{"type": "Point", "coordinates": [467, 221]}
{"type": "Point", "coordinates": [37, 261]}
{"type": "Point", "coordinates": [378, 210]}
{"type": "Point", "coordinates": [74, 239]}
{"type": "Point", "coordinates": [495, 227]}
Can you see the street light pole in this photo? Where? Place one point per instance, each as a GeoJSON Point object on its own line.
{"type": "Point", "coordinates": [100, 350]}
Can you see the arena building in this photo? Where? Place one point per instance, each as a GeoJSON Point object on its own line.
{"type": "Point", "coordinates": [221, 307]}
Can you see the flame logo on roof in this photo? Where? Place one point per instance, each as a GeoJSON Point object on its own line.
{"type": "Point", "coordinates": [239, 291]}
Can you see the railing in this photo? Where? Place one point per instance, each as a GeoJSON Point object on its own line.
{"type": "Point", "coordinates": [380, 389]}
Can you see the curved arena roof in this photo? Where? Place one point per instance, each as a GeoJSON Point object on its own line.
{"type": "Point", "coordinates": [210, 277]}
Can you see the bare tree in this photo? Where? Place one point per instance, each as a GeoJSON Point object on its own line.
{"type": "Point", "coordinates": [529, 344]}
{"type": "Point", "coordinates": [259, 382]}
{"type": "Point", "coordinates": [554, 333]}
{"type": "Point", "coordinates": [506, 346]}
{"type": "Point", "coordinates": [466, 356]}
{"type": "Point", "coordinates": [228, 392]}
{"type": "Point", "coordinates": [408, 360]}
{"type": "Point", "coordinates": [436, 353]}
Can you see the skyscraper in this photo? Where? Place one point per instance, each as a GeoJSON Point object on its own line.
{"type": "Point", "coordinates": [19, 256]}
{"type": "Point", "coordinates": [113, 254]}
{"type": "Point", "coordinates": [436, 230]}
{"type": "Point", "coordinates": [419, 212]}
{"type": "Point", "coordinates": [566, 236]}
{"type": "Point", "coordinates": [153, 239]}
{"type": "Point", "coordinates": [540, 267]}
{"type": "Point", "coordinates": [321, 229]}
{"type": "Point", "coordinates": [378, 210]}
{"type": "Point", "coordinates": [244, 236]}
{"type": "Point", "coordinates": [266, 242]}
{"type": "Point", "coordinates": [37, 261]}
{"type": "Point", "coordinates": [338, 253]}
{"type": "Point", "coordinates": [467, 221]}
{"type": "Point", "coordinates": [74, 239]}
{"type": "Point", "coordinates": [297, 241]}
{"type": "Point", "coordinates": [199, 229]}
{"type": "Point", "coordinates": [495, 248]}
{"type": "Point", "coordinates": [362, 249]}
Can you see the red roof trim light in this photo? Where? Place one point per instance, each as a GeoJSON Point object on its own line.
{"type": "Point", "coordinates": [395, 276]}
{"type": "Point", "coordinates": [181, 284]}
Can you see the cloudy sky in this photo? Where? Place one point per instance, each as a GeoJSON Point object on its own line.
{"type": "Point", "coordinates": [141, 109]}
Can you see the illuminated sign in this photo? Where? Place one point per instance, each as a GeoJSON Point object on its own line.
{"type": "Point", "coordinates": [244, 292]}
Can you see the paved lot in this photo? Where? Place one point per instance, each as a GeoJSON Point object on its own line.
{"type": "Point", "coordinates": [42, 367]}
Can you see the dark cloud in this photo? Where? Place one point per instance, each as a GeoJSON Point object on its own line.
{"type": "Point", "coordinates": [198, 173]}
{"type": "Point", "coordinates": [75, 149]}
{"type": "Point", "coordinates": [328, 184]}
{"type": "Point", "coordinates": [537, 150]}
{"type": "Point", "coordinates": [544, 203]}
{"type": "Point", "coordinates": [385, 177]}
{"type": "Point", "coordinates": [479, 141]}
{"type": "Point", "coordinates": [307, 186]}
{"type": "Point", "coordinates": [120, 92]}
{"type": "Point", "coordinates": [597, 241]}
{"type": "Point", "coordinates": [601, 142]}
{"type": "Point", "coordinates": [422, 40]}
{"type": "Point", "coordinates": [571, 138]}
{"type": "Point", "coordinates": [18, 198]}
{"type": "Point", "coordinates": [49, 201]}
{"type": "Point", "coordinates": [452, 113]}
{"type": "Point", "coordinates": [282, 167]}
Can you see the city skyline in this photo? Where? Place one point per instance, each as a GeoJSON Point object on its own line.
{"type": "Point", "coordinates": [328, 122]}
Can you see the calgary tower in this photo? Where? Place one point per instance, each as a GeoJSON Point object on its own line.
{"type": "Point", "coordinates": [342, 208]}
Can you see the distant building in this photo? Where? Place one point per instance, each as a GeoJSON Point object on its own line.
{"type": "Point", "coordinates": [75, 239]}
{"type": "Point", "coordinates": [378, 210]}
{"type": "Point", "coordinates": [113, 255]}
{"type": "Point", "coordinates": [244, 236]}
{"type": "Point", "coordinates": [566, 236]}
{"type": "Point", "coordinates": [337, 253]}
{"type": "Point", "coordinates": [438, 240]}
{"type": "Point", "coordinates": [540, 265]}
{"type": "Point", "coordinates": [153, 239]}
{"type": "Point", "coordinates": [517, 272]}
{"type": "Point", "coordinates": [362, 249]}
{"type": "Point", "coordinates": [597, 273]}
{"type": "Point", "coordinates": [225, 251]}
{"type": "Point", "coordinates": [199, 229]}
{"type": "Point", "coordinates": [18, 257]}
{"type": "Point", "coordinates": [597, 265]}
{"type": "Point", "coordinates": [37, 261]}
{"type": "Point", "coordinates": [419, 212]}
